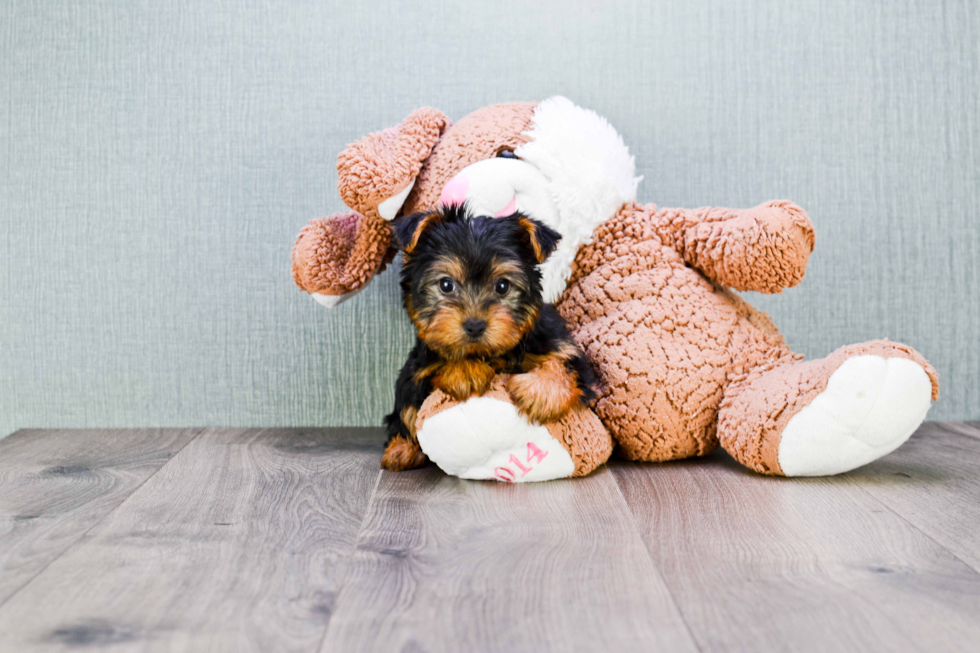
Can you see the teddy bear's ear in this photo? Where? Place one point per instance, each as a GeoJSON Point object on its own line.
{"type": "Point", "coordinates": [543, 239]}
{"type": "Point", "coordinates": [409, 228]}
{"type": "Point", "coordinates": [376, 174]}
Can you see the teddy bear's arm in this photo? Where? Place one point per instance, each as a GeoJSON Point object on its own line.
{"type": "Point", "coordinates": [376, 174]}
{"type": "Point", "coordinates": [764, 248]}
{"type": "Point", "coordinates": [336, 256]}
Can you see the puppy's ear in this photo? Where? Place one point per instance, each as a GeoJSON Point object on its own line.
{"type": "Point", "coordinates": [409, 228]}
{"type": "Point", "coordinates": [543, 239]}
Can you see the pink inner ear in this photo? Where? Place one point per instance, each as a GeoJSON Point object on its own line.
{"type": "Point", "coordinates": [455, 191]}
{"type": "Point", "coordinates": [510, 209]}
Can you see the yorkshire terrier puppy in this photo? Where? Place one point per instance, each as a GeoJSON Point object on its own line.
{"type": "Point", "coordinates": [472, 289]}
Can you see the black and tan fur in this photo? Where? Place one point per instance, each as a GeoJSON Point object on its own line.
{"type": "Point", "coordinates": [472, 289]}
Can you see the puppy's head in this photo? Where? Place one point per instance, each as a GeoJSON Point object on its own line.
{"type": "Point", "coordinates": [471, 284]}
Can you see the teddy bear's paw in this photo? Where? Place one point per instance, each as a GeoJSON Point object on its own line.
{"type": "Point", "coordinates": [870, 407]}
{"type": "Point", "coordinates": [335, 257]}
{"type": "Point", "coordinates": [331, 301]}
{"type": "Point", "coordinates": [376, 174]}
{"type": "Point", "coordinates": [486, 438]}
{"type": "Point", "coordinates": [389, 208]}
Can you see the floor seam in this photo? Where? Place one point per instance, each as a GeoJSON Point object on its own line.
{"type": "Point", "coordinates": [350, 557]}
{"type": "Point", "coordinates": [914, 526]}
{"type": "Point", "coordinates": [102, 519]}
{"type": "Point", "coordinates": [670, 592]}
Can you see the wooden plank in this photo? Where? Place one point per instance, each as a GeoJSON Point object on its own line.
{"type": "Point", "coordinates": [756, 562]}
{"type": "Point", "coordinates": [238, 544]}
{"type": "Point", "coordinates": [56, 485]}
{"type": "Point", "coordinates": [444, 564]}
{"type": "Point", "coordinates": [933, 481]}
{"type": "Point", "coordinates": [968, 429]}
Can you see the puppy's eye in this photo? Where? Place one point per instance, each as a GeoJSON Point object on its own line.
{"type": "Point", "coordinates": [506, 153]}
{"type": "Point", "coordinates": [501, 287]}
{"type": "Point", "coordinates": [446, 285]}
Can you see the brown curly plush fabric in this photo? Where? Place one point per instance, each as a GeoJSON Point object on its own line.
{"type": "Point", "coordinates": [670, 345]}
{"type": "Point", "coordinates": [584, 437]}
{"type": "Point", "coordinates": [758, 405]}
{"type": "Point", "coordinates": [763, 249]}
{"type": "Point", "coordinates": [684, 362]}
{"type": "Point", "coordinates": [476, 137]}
{"type": "Point", "coordinates": [339, 254]}
{"type": "Point", "coordinates": [384, 163]}
{"type": "Point", "coordinates": [580, 432]}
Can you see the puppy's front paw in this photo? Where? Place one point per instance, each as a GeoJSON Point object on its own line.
{"type": "Point", "coordinates": [402, 454]}
{"type": "Point", "coordinates": [545, 394]}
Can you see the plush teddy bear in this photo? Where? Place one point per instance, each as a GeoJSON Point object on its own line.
{"type": "Point", "coordinates": [684, 363]}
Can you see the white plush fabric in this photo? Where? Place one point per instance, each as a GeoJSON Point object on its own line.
{"type": "Point", "coordinates": [389, 208]}
{"type": "Point", "coordinates": [492, 184]}
{"type": "Point", "coordinates": [573, 175]}
{"type": "Point", "coordinates": [477, 438]}
{"type": "Point", "coordinates": [870, 407]}
{"type": "Point", "coordinates": [331, 301]}
{"type": "Point", "coordinates": [590, 174]}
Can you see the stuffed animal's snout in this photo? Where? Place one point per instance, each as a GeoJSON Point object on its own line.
{"type": "Point", "coordinates": [501, 187]}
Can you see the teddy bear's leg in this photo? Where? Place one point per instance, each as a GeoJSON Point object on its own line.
{"type": "Point", "coordinates": [486, 438]}
{"type": "Point", "coordinates": [828, 416]}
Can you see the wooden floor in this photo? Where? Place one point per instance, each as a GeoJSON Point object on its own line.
{"type": "Point", "coordinates": [293, 540]}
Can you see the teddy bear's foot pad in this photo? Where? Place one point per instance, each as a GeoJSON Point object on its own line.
{"type": "Point", "coordinates": [486, 438]}
{"type": "Point", "coordinates": [870, 407]}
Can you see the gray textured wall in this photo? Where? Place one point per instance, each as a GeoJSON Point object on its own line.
{"type": "Point", "coordinates": [157, 160]}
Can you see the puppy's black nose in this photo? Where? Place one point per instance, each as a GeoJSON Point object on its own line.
{"type": "Point", "coordinates": [474, 328]}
